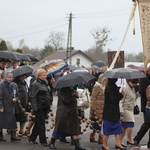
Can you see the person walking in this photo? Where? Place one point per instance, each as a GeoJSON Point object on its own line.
{"type": "Point", "coordinates": [127, 109]}
{"type": "Point", "coordinates": [41, 101]}
{"type": "Point", "coordinates": [21, 116]}
{"type": "Point", "coordinates": [96, 108]}
{"type": "Point", "coordinates": [8, 98]}
{"type": "Point", "coordinates": [111, 115]}
{"type": "Point", "coordinates": [67, 110]}
{"type": "Point", "coordinates": [143, 84]}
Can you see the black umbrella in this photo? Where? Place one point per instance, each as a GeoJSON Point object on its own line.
{"type": "Point", "coordinates": [8, 55]}
{"type": "Point", "coordinates": [72, 79]}
{"type": "Point", "coordinates": [126, 73]}
{"type": "Point", "coordinates": [22, 57]}
{"type": "Point", "coordinates": [21, 70]}
{"type": "Point", "coordinates": [99, 64]}
{"type": "Point", "coordinates": [32, 57]}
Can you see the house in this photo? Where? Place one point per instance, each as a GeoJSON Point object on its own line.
{"type": "Point", "coordinates": [78, 58]}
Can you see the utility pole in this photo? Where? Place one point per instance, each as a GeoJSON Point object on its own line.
{"type": "Point", "coordinates": [69, 40]}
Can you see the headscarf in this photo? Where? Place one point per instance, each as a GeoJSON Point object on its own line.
{"type": "Point", "coordinates": [9, 85]}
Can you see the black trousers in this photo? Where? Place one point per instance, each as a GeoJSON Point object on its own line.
{"type": "Point", "coordinates": [143, 130]}
{"type": "Point", "coordinates": [39, 126]}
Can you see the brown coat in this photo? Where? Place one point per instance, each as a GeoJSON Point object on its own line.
{"type": "Point", "coordinates": [97, 102]}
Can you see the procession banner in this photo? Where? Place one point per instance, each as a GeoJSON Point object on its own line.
{"type": "Point", "coordinates": [144, 14]}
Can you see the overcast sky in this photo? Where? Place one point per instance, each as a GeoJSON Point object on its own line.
{"type": "Point", "coordinates": [33, 20]}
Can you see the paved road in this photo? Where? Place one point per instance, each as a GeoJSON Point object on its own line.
{"type": "Point", "coordinates": [25, 145]}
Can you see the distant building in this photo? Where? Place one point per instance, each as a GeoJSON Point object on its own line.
{"type": "Point", "coordinates": [78, 58]}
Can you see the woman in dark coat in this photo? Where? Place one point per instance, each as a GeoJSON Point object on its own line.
{"type": "Point", "coordinates": [41, 101]}
{"type": "Point", "coordinates": [8, 96]}
{"type": "Point", "coordinates": [21, 116]}
{"type": "Point", "coordinates": [67, 121]}
{"type": "Point", "coordinates": [111, 115]}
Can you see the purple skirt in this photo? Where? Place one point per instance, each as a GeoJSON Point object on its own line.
{"type": "Point", "coordinates": [112, 127]}
{"type": "Point", "coordinates": [127, 124]}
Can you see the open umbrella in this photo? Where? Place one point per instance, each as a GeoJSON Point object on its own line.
{"type": "Point", "coordinates": [5, 54]}
{"type": "Point", "coordinates": [21, 70]}
{"type": "Point", "coordinates": [72, 79]}
{"type": "Point", "coordinates": [32, 57]}
{"type": "Point", "coordinates": [53, 66]}
{"type": "Point", "coordinates": [99, 64]}
{"type": "Point", "coordinates": [81, 70]}
{"type": "Point", "coordinates": [22, 57]}
{"type": "Point", "coordinates": [126, 73]}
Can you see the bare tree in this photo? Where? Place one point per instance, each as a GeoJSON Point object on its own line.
{"type": "Point", "coordinates": [55, 39]}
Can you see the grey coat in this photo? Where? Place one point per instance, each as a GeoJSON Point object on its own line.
{"type": "Point", "coordinates": [7, 118]}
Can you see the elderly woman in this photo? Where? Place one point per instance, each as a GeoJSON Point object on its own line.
{"type": "Point", "coordinates": [96, 108]}
{"type": "Point", "coordinates": [41, 101]}
{"type": "Point", "coordinates": [67, 121]}
{"type": "Point", "coordinates": [127, 109]}
{"type": "Point", "coordinates": [8, 93]}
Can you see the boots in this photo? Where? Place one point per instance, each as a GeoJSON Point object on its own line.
{"type": "Point", "coordinates": [13, 137]}
{"type": "Point", "coordinates": [1, 137]}
{"type": "Point", "coordinates": [77, 145]}
{"type": "Point", "coordinates": [100, 139]}
{"type": "Point", "coordinates": [92, 137]}
{"type": "Point", "coordinates": [52, 144]}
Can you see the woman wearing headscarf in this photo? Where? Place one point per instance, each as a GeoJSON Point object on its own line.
{"type": "Point", "coordinates": [96, 108]}
{"type": "Point", "coordinates": [8, 97]}
{"type": "Point", "coordinates": [111, 115]}
{"type": "Point", "coordinates": [41, 101]}
{"type": "Point", "coordinates": [21, 116]}
{"type": "Point", "coordinates": [67, 120]}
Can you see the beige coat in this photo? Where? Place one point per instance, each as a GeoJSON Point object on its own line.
{"type": "Point", "coordinates": [127, 104]}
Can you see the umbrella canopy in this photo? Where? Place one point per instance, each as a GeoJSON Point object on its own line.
{"type": "Point", "coordinates": [126, 73]}
{"type": "Point", "coordinates": [99, 64]}
{"type": "Point", "coordinates": [8, 55]}
{"type": "Point", "coordinates": [22, 57]}
{"type": "Point", "coordinates": [32, 57]}
{"type": "Point", "coordinates": [72, 79]}
{"type": "Point", "coordinates": [81, 70]}
{"type": "Point", "coordinates": [140, 68]}
{"type": "Point", "coordinates": [53, 66]}
{"type": "Point", "coordinates": [21, 70]}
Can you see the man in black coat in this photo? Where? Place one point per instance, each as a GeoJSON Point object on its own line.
{"type": "Point", "coordinates": [143, 84]}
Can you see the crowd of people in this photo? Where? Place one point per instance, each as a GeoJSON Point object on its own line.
{"type": "Point", "coordinates": [111, 109]}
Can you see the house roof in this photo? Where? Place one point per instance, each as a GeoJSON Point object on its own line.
{"type": "Point", "coordinates": [61, 54]}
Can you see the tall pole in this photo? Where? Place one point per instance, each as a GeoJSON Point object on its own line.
{"type": "Point", "coordinates": [69, 40]}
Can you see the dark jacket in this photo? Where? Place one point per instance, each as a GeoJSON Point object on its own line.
{"type": "Point", "coordinates": [23, 95]}
{"type": "Point", "coordinates": [111, 110]}
{"type": "Point", "coordinates": [7, 118]}
{"type": "Point", "coordinates": [67, 114]}
{"type": "Point", "coordinates": [143, 84]}
{"type": "Point", "coordinates": [40, 95]}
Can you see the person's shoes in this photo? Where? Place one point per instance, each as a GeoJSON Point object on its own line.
{"type": "Point", "coordinates": [119, 148]}
{"type": "Point", "coordinates": [123, 145]}
{"type": "Point", "coordinates": [32, 141]}
{"type": "Point", "coordinates": [92, 137]}
{"type": "Point", "coordinates": [45, 144]}
{"type": "Point", "coordinates": [136, 143]}
{"type": "Point", "coordinates": [63, 139]}
{"type": "Point", "coordinates": [148, 145]}
{"type": "Point", "coordinates": [103, 148]}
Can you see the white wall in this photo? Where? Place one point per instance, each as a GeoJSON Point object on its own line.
{"type": "Point", "coordinates": [83, 60]}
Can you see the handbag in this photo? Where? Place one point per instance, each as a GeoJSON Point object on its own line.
{"type": "Point", "coordinates": [136, 110]}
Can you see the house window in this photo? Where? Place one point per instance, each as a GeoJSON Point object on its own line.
{"type": "Point", "coordinates": [78, 62]}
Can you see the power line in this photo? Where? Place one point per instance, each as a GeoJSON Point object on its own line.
{"type": "Point", "coordinates": [35, 32]}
